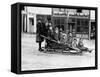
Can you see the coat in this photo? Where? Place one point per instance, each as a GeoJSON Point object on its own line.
{"type": "Point", "coordinates": [40, 31]}
{"type": "Point", "coordinates": [56, 35]}
{"type": "Point", "coordinates": [69, 40]}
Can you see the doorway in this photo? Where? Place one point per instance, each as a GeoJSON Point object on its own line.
{"type": "Point", "coordinates": [31, 24]}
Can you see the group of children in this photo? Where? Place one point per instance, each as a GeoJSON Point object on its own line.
{"type": "Point", "coordinates": [59, 39]}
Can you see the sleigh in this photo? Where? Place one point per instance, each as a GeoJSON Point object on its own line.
{"type": "Point", "coordinates": [57, 47]}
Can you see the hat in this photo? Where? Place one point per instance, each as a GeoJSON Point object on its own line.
{"type": "Point", "coordinates": [75, 39]}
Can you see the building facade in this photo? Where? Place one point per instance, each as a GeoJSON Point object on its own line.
{"type": "Point", "coordinates": [30, 16]}
{"type": "Point", "coordinates": [77, 21]}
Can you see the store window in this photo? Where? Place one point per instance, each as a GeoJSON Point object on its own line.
{"type": "Point", "coordinates": [31, 21]}
{"type": "Point", "coordinates": [78, 29]}
{"type": "Point", "coordinates": [82, 26]}
{"type": "Point", "coordinates": [60, 22]}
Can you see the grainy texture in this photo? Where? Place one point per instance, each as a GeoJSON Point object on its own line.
{"type": "Point", "coordinates": [32, 59]}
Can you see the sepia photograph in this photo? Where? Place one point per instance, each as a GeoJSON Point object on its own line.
{"type": "Point", "coordinates": [56, 38]}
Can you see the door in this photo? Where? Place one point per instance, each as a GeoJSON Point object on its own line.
{"type": "Point", "coordinates": [31, 24]}
{"type": "Point", "coordinates": [72, 28]}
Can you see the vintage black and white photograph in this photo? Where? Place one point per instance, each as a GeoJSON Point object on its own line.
{"type": "Point", "coordinates": [54, 38]}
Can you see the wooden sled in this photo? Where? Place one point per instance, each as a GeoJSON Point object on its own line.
{"type": "Point", "coordinates": [67, 50]}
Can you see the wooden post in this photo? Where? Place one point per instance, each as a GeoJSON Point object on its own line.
{"type": "Point", "coordinates": [67, 19]}
{"type": "Point", "coordinates": [52, 17]}
{"type": "Point", "coordinates": [89, 25]}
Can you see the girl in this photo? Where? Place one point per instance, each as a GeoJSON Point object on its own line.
{"type": "Point", "coordinates": [81, 46]}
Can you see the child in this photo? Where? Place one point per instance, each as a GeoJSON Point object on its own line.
{"type": "Point", "coordinates": [69, 39]}
{"type": "Point", "coordinates": [63, 37]}
{"type": "Point", "coordinates": [81, 46]}
{"type": "Point", "coordinates": [50, 35]}
{"type": "Point", "coordinates": [56, 34]}
{"type": "Point", "coordinates": [75, 46]}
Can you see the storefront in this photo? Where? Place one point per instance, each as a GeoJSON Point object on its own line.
{"type": "Point", "coordinates": [93, 24]}
{"type": "Point", "coordinates": [30, 16]}
{"type": "Point", "coordinates": [77, 21]}
{"type": "Point", "coordinates": [72, 21]}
